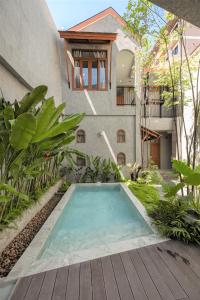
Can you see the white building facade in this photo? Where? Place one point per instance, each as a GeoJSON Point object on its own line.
{"type": "Point", "coordinates": [103, 80]}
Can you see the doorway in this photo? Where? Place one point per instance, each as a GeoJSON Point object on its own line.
{"type": "Point", "coordinates": [155, 152]}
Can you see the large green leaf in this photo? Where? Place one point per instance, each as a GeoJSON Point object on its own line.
{"type": "Point", "coordinates": [66, 125]}
{"type": "Point", "coordinates": [44, 116]}
{"type": "Point", "coordinates": [65, 141]}
{"type": "Point", "coordinates": [173, 189]}
{"type": "Point", "coordinates": [182, 168]}
{"type": "Point", "coordinates": [2, 152]}
{"type": "Point", "coordinates": [10, 189]}
{"type": "Point", "coordinates": [193, 179]}
{"type": "Point", "coordinates": [197, 169]}
{"type": "Point", "coordinates": [56, 142]}
{"type": "Point", "coordinates": [32, 99]}
{"type": "Point", "coordinates": [8, 115]}
{"type": "Point", "coordinates": [56, 115]}
{"type": "Point", "coordinates": [4, 199]}
{"type": "Point", "coordinates": [17, 160]}
{"type": "Point", "coordinates": [22, 131]}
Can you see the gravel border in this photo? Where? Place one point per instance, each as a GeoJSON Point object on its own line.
{"type": "Point", "coordinates": [15, 249]}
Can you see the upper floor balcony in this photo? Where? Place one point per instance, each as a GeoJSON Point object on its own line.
{"type": "Point", "coordinates": [157, 109]}
{"type": "Point", "coordinates": [125, 95]}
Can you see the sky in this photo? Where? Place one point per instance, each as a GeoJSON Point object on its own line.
{"type": "Point", "coordinates": [67, 13]}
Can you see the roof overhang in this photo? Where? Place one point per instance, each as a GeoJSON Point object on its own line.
{"type": "Point", "coordinates": [87, 37]}
{"type": "Point", "coordinates": [148, 135]}
{"type": "Point", "coordinates": [185, 9]}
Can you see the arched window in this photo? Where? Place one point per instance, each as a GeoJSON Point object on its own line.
{"type": "Point", "coordinates": [80, 161]}
{"type": "Point", "coordinates": [121, 136]}
{"type": "Point", "coordinates": [80, 136]}
{"type": "Point", "coordinates": [121, 159]}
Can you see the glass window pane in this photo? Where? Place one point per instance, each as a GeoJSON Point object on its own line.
{"type": "Point", "coordinates": [77, 74]}
{"type": "Point", "coordinates": [94, 74]}
{"type": "Point", "coordinates": [85, 74]}
{"type": "Point", "coordinates": [102, 74]}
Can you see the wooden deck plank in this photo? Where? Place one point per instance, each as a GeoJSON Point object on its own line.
{"type": "Point", "coordinates": [109, 279]}
{"type": "Point", "coordinates": [182, 275]}
{"type": "Point", "coordinates": [73, 282]}
{"type": "Point", "coordinates": [166, 275]}
{"type": "Point", "coordinates": [148, 285]}
{"type": "Point", "coordinates": [98, 286]}
{"type": "Point", "coordinates": [85, 281]}
{"type": "Point", "coordinates": [167, 271]}
{"type": "Point", "coordinates": [162, 288]}
{"type": "Point", "coordinates": [194, 251]}
{"type": "Point", "coordinates": [121, 278]}
{"type": "Point", "coordinates": [21, 288]}
{"type": "Point", "coordinates": [35, 286]}
{"type": "Point", "coordinates": [133, 278]}
{"type": "Point", "coordinates": [48, 285]}
{"type": "Point", "coordinates": [182, 264]}
{"type": "Point", "coordinates": [185, 257]}
{"type": "Point", "coordinates": [60, 286]}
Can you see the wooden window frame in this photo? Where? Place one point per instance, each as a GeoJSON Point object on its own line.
{"type": "Point", "coordinates": [90, 60]}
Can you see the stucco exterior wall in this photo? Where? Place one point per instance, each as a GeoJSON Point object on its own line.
{"type": "Point", "coordinates": [102, 113]}
{"type": "Point", "coordinates": [11, 88]}
{"type": "Point", "coordinates": [29, 47]}
{"type": "Point", "coordinates": [95, 143]}
{"type": "Point", "coordinates": [103, 101]}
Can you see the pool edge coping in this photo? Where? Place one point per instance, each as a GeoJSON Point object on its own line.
{"type": "Point", "coordinates": [32, 251]}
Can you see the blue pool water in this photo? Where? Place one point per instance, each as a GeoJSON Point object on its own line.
{"type": "Point", "coordinates": [95, 215]}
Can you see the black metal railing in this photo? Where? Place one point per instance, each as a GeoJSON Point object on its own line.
{"type": "Point", "coordinates": [159, 110]}
{"type": "Point", "coordinates": [125, 96]}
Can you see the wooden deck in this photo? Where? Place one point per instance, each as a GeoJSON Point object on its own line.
{"type": "Point", "coordinates": [169, 270]}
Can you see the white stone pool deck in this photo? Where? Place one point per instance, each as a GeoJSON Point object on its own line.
{"type": "Point", "coordinates": [30, 264]}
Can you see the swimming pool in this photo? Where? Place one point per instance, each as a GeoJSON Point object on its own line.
{"type": "Point", "coordinates": [90, 221]}
{"type": "Point", "coordinates": [95, 215]}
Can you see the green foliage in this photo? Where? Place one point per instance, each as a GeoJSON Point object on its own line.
{"type": "Point", "coordinates": [178, 216]}
{"type": "Point", "coordinates": [139, 20]}
{"type": "Point", "coordinates": [151, 175]}
{"type": "Point", "coordinates": [182, 168]}
{"type": "Point", "coordinates": [31, 99]}
{"type": "Point", "coordinates": [99, 169]}
{"type": "Point", "coordinates": [174, 220]}
{"type": "Point", "coordinates": [33, 143]}
{"type": "Point", "coordinates": [23, 131]}
{"type": "Point", "coordinates": [189, 177]}
{"type": "Point", "coordinates": [172, 189]}
{"type": "Point", "coordinates": [66, 184]}
{"type": "Point", "coordinates": [146, 193]}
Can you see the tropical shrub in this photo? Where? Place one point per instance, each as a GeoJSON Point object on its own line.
{"type": "Point", "coordinates": [66, 184]}
{"type": "Point", "coordinates": [33, 142]}
{"type": "Point", "coordinates": [98, 169]}
{"type": "Point", "coordinates": [178, 216]}
{"type": "Point", "coordinates": [146, 193]}
{"type": "Point", "coordinates": [151, 176]}
{"type": "Point", "coordinates": [172, 219]}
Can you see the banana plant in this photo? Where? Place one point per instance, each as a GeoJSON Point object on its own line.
{"type": "Point", "coordinates": [33, 137]}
